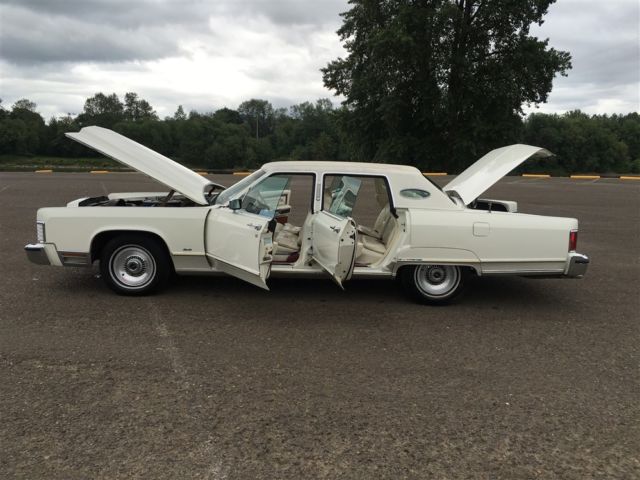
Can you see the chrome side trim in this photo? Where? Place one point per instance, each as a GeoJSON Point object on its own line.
{"type": "Point", "coordinates": [421, 261]}
{"type": "Point", "coordinates": [523, 272]}
{"type": "Point", "coordinates": [36, 254]}
{"type": "Point", "coordinates": [75, 259]}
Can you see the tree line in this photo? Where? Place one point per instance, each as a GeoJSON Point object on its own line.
{"type": "Point", "coordinates": [257, 132]}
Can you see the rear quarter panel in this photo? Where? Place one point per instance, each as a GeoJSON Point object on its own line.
{"type": "Point", "coordinates": [501, 242]}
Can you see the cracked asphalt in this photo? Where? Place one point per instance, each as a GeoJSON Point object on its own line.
{"type": "Point", "coordinates": [214, 378]}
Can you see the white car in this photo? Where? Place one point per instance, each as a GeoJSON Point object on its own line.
{"type": "Point", "coordinates": [303, 218]}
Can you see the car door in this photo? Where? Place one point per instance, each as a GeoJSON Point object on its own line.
{"type": "Point", "coordinates": [334, 238]}
{"type": "Point", "coordinates": [239, 237]}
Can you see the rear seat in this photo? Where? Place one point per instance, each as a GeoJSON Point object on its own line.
{"type": "Point", "coordinates": [371, 248]}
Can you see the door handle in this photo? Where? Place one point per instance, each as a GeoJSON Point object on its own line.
{"type": "Point", "coordinates": [257, 227]}
{"type": "Point", "coordinates": [335, 229]}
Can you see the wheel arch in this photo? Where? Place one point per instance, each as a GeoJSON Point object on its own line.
{"type": "Point", "coordinates": [423, 255]}
{"type": "Point", "coordinates": [100, 240]}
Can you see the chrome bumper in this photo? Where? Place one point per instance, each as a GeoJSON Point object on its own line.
{"type": "Point", "coordinates": [577, 265]}
{"type": "Point", "coordinates": [37, 254]}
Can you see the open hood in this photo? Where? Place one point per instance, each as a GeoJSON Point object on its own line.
{"type": "Point", "coordinates": [175, 176]}
{"type": "Point", "coordinates": [480, 176]}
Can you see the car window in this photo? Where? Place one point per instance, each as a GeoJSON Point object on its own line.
{"type": "Point", "coordinates": [365, 198]}
{"type": "Point", "coordinates": [341, 195]}
{"type": "Point", "coordinates": [414, 193]}
{"type": "Point", "coordinates": [237, 188]}
{"type": "Point", "coordinates": [264, 197]}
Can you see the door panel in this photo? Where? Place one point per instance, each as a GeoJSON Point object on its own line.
{"type": "Point", "coordinates": [240, 244]}
{"type": "Point", "coordinates": [334, 245]}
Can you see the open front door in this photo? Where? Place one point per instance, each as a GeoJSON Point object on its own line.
{"type": "Point", "coordinates": [334, 245]}
{"type": "Point", "coordinates": [239, 243]}
{"type": "Point", "coordinates": [238, 240]}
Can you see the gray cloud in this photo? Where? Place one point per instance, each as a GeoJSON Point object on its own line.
{"type": "Point", "coordinates": [604, 41]}
{"type": "Point", "coordinates": [28, 37]}
{"type": "Point", "coordinates": [286, 12]}
{"type": "Point", "coordinates": [120, 30]}
{"type": "Point", "coordinates": [206, 54]}
{"type": "Point", "coordinates": [121, 14]}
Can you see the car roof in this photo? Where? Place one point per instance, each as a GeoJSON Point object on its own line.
{"type": "Point", "coordinates": [339, 167]}
{"type": "Point", "coordinates": [400, 177]}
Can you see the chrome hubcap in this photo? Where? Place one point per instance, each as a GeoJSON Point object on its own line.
{"type": "Point", "coordinates": [132, 266]}
{"type": "Point", "coordinates": [437, 280]}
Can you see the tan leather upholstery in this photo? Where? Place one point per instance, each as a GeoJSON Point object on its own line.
{"type": "Point", "coordinates": [287, 238]}
{"type": "Point", "coordinates": [371, 243]}
{"type": "Point", "coordinates": [371, 247]}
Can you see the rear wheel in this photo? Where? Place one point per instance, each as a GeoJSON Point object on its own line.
{"type": "Point", "coordinates": [433, 284]}
{"type": "Point", "coordinates": [134, 265]}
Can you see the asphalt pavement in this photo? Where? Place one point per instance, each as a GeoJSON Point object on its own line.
{"type": "Point", "coordinates": [214, 378]}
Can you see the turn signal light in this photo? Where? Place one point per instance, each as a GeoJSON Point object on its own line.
{"type": "Point", "coordinates": [573, 240]}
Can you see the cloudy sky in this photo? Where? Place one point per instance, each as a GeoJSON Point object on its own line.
{"type": "Point", "coordinates": [206, 54]}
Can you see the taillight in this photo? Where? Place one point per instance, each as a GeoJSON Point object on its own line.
{"type": "Point", "coordinates": [573, 240]}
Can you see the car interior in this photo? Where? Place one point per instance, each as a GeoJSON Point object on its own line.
{"type": "Point", "coordinates": [374, 233]}
{"type": "Point", "coordinates": [365, 199]}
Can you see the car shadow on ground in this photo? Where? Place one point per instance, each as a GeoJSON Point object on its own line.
{"type": "Point", "coordinates": [493, 292]}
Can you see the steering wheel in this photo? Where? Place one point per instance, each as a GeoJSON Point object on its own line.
{"type": "Point", "coordinates": [255, 205]}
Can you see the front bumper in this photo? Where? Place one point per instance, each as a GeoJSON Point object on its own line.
{"type": "Point", "coordinates": [577, 265]}
{"type": "Point", "coordinates": [37, 254]}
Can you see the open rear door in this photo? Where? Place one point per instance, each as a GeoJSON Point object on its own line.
{"type": "Point", "coordinates": [239, 243]}
{"type": "Point", "coordinates": [334, 242]}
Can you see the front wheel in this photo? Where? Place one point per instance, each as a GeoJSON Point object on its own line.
{"type": "Point", "coordinates": [433, 284]}
{"type": "Point", "coordinates": [134, 265]}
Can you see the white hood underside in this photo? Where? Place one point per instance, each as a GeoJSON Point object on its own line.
{"type": "Point", "coordinates": [175, 176]}
{"type": "Point", "coordinates": [484, 173]}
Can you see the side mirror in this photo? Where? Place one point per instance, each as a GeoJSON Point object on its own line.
{"type": "Point", "coordinates": [235, 204]}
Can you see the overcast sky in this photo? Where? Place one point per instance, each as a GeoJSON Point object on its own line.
{"type": "Point", "coordinates": [207, 54]}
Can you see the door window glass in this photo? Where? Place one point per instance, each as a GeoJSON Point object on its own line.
{"type": "Point", "coordinates": [263, 198]}
{"type": "Point", "coordinates": [236, 189]}
{"type": "Point", "coordinates": [341, 193]}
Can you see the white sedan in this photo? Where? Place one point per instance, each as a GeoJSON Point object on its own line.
{"type": "Point", "coordinates": [306, 218]}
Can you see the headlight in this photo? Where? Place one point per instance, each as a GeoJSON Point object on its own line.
{"type": "Point", "coordinates": [40, 232]}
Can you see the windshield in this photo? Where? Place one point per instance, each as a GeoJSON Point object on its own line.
{"type": "Point", "coordinates": [236, 188]}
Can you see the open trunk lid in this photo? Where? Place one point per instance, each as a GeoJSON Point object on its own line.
{"type": "Point", "coordinates": [484, 173]}
{"type": "Point", "coordinates": [124, 150]}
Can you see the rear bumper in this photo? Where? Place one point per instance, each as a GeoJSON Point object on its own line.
{"type": "Point", "coordinates": [576, 265]}
{"type": "Point", "coordinates": [37, 254]}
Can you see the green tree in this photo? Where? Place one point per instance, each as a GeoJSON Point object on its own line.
{"type": "Point", "coordinates": [439, 82]}
{"type": "Point", "coordinates": [581, 143]}
{"type": "Point", "coordinates": [313, 132]}
{"type": "Point", "coordinates": [102, 110]}
{"type": "Point", "coordinates": [179, 115]}
{"type": "Point", "coordinates": [258, 114]}
{"type": "Point", "coordinates": [227, 115]}
{"type": "Point", "coordinates": [23, 129]}
{"type": "Point", "coordinates": [58, 144]}
{"type": "Point", "coordinates": [24, 104]}
{"type": "Point", "coordinates": [137, 109]}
